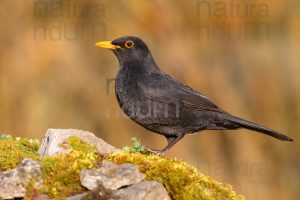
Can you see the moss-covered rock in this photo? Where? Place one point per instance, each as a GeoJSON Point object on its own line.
{"type": "Point", "coordinates": [60, 173]}
{"type": "Point", "coordinates": [181, 180]}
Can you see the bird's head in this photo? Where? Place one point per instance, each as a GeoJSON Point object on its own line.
{"type": "Point", "coordinates": [127, 49]}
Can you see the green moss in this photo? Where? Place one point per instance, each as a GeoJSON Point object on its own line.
{"type": "Point", "coordinates": [181, 180]}
{"type": "Point", "coordinates": [60, 173]}
{"type": "Point", "coordinates": [14, 150]}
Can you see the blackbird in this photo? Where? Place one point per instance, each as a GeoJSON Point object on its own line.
{"type": "Point", "coordinates": [162, 104]}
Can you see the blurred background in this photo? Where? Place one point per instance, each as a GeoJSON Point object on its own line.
{"type": "Point", "coordinates": [244, 55]}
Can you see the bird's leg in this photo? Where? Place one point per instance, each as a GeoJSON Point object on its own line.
{"type": "Point", "coordinates": [171, 141]}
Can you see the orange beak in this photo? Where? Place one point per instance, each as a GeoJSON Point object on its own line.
{"type": "Point", "coordinates": [107, 45]}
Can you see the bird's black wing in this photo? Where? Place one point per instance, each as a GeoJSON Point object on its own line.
{"type": "Point", "coordinates": [160, 87]}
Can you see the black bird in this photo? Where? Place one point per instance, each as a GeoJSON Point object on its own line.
{"type": "Point", "coordinates": [162, 104]}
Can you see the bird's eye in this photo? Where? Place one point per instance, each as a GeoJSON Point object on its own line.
{"type": "Point", "coordinates": [129, 44]}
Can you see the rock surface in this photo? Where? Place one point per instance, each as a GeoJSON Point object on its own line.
{"type": "Point", "coordinates": [144, 190]}
{"type": "Point", "coordinates": [53, 139]}
{"type": "Point", "coordinates": [13, 182]}
{"type": "Point", "coordinates": [111, 176]}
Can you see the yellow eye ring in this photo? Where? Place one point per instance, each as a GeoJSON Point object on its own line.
{"type": "Point", "coordinates": [129, 44]}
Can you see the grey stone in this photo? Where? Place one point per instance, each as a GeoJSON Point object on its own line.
{"type": "Point", "coordinates": [77, 196]}
{"type": "Point", "coordinates": [54, 138]}
{"type": "Point", "coordinates": [13, 182]}
{"type": "Point", "coordinates": [111, 176]}
{"type": "Point", "coordinates": [144, 190]}
{"type": "Point", "coordinates": [100, 193]}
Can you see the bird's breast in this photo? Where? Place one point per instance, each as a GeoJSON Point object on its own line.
{"type": "Point", "coordinates": [127, 92]}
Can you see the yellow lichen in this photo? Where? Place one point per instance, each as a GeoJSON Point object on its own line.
{"type": "Point", "coordinates": [14, 150]}
{"type": "Point", "coordinates": [181, 180]}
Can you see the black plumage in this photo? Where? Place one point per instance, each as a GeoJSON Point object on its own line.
{"type": "Point", "coordinates": [162, 104]}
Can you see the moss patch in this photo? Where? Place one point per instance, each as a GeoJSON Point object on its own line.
{"type": "Point", "coordinates": [14, 150]}
{"type": "Point", "coordinates": [181, 180]}
{"type": "Point", "coordinates": [60, 173]}
{"type": "Point", "coordinates": [79, 145]}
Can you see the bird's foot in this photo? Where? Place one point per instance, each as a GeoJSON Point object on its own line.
{"type": "Point", "coordinates": [161, 152]}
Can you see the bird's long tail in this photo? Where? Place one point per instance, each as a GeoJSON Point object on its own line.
{"type": "Point", "coordinates": [255, 127]}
